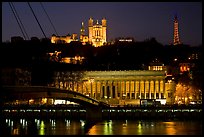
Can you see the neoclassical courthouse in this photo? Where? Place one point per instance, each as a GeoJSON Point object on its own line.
{"type": "Point", "coordinates": [96, 36]}
{"type": "Point", "coordinates": [122, 87]}
{"type": "Point", "coordinates": [115, 87]}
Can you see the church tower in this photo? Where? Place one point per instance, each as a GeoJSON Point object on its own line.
{"type": "Point", "coordinates": [83, 38]}
{"type": "Point", "coordinates": [97, 32]}
{"type": "Point", "coordinates": [176, 32]}
{"type": "Point", "coordinates": [104, 29]}
{"type": "Point", "coordinates": [90, 29]}
{"type": "Point", "coordinates": [82, 31]}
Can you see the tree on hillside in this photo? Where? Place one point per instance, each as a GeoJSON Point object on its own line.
{"type": "Point", "coordinates": [185, 90]}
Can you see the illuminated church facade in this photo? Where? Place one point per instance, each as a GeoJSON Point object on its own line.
{"type": "Point", "coordinates": [96, 34]}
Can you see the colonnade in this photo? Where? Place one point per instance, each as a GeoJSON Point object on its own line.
{"type": "Point", "coordinates": [121, 85]}
{"type": "Point", "coordinates": [119, 89]}
{"type": "Point", "coordinates": [126, 89]}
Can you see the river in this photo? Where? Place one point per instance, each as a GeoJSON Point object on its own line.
{"type": "Point", "coordinates": [104, 127]}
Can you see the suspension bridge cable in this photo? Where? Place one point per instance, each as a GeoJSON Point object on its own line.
{"type": "Point", "coordinates": [36, 19]}
{"type": "Point", "coordinates": [48, 18]}
{"type": "Point", "coordinates": [17, 20]}
{"type": "Point", "coordinates": [20, 21]}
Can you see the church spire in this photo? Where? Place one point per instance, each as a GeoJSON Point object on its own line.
{"type": "Point", "coordinates": [82, 29]}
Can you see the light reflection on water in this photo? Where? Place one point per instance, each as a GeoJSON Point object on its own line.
{"type": "Point", "coordinates": [105, 127]}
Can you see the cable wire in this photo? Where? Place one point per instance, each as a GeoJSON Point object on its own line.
{"type": "Point", "coordinates": [36, 19]}
{"type": "Point", "coordinates": [20, 21]}
{"type": "Point", "coordinates": [17, 20]}
{"type": "Point", "coordinates": [48, 18]}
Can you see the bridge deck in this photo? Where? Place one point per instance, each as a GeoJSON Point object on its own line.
{"type": "Point", "coordinates": [28, 92]}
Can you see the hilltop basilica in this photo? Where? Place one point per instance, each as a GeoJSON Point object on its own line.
{"type": "Point", "coordinates": [96, 34]}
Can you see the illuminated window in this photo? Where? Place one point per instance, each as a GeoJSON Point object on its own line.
{"type": "Point", "coordinates": [160, 67]}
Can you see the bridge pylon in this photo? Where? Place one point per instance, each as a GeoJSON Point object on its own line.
{"type": "Point", "coordinates": [94, 113]}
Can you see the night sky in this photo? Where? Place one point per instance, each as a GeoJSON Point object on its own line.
{"type": "Point", "coordinates": [140, 20]}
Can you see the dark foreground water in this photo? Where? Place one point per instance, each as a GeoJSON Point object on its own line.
{"type": "Point", "coordinates": [105, 127]}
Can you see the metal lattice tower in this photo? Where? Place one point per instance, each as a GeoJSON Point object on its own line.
{"type": "Point", "coordinates": [176, 32]}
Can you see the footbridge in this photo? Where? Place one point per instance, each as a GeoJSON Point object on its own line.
{"type": "Point", "coordinates": [92, 106]}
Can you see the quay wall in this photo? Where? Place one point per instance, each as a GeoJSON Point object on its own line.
{"type": "Point", "coordinates": [109, 113]}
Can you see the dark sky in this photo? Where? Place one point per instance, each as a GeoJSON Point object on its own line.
{"type": "Point", "coordinates": [141, 20]}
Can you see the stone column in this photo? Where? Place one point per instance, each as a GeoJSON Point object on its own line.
{"type": "Point", "coordinates": [139, 89]}
{"type": "Point", "coordinates": [164, 90]}
{"type": "Point", "coordinates": [154, 89]}
{"type": "Point", "coordinates": [116, 87]}
{"type": "Point", "coordinates": [91, 90]}
{"type": "Point", "coordinates": [130, 89]}
{"type": "Point", "coordinates": [101, 89]}
{"type": "Point", "coordinates": [105, 89]}
{"type": "Point", "coordinates": [134, 88]}
{"type": "Point", "coordinates": [111, 89]}
{"type": "Point", "coordinates": [125, 89]}
{"type": "Point", "coordinates": [119, 89]}
{"type": "Point", "coordinates": [101, 93]}
{"type": "Point", "coordinates": [144, 88]}
{"type": "Point", "coordinates": [147, 87]}
{"type": "Point", "coordinates": [159, 90]}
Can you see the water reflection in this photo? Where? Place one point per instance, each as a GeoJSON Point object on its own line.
{"type": "Point", "coordinates": [106, 127]}
{"type": "Point", "coordinates": [42, 128]}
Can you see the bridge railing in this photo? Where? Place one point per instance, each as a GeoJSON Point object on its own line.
{"type": "Point", "coordinates": [74, 94]}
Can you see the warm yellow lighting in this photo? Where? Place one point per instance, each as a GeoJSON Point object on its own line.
{"type": "Point", "coordinates": [44, 100]}
{"type": "Point", "coordinates": [31, 101]}
{"type": "Point", "coordinates": [64, 39]}
{"type": "Point", "coordinates": [171, 128]}
{"type": "Point", "coordinates": [16, 131]}
{"type": "Point", "coordinates": [17, 102]}
{"type": "Point", "coordinates": [97, 33]}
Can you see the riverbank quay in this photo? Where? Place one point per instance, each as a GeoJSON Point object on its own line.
{"type": "Point", "coordinates": [122, 112]}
